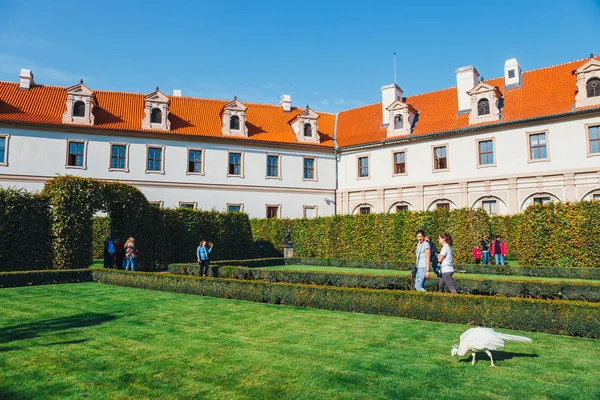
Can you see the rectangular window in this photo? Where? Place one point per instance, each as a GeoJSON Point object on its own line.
{"type": "Point", "coordinates": [157, 204]}
{"type": "Point", "coordinates": [155, 159]}
{"type": "Point", "coordinates": [541, 200]}
{"type": "Point", "coordinates": [490, 206]}
{"type": "Point", "coordinates": [310, 212]}
{"type": "Point", "coordinates": [400, 163]}
{"type": "Point", "coordinates": [272, 211]}
{"type": "Point", "coordinates": [76, 156]}
{"type": "Point", "coordinates": [195, 162]}
{"type": "Point", "coordinates": [439, 158]}
{"type": "Point", "coordinates": [537, 146]}
{"type": "Point", "coordinates": [235, 164]}
{"type": "Point", "coordinates": [3, 142]}
{"type": "Point", "coordinates": [401, 208]}
{"type": "Point", "coordinates": [596, 196]}
{"type": "Point", "coordinates": [309, 168]}
{"type": "Point", "coordinates": [511, 73]}
{"type": "Point", "coordinates": [594, 138]}
{"type": "Point", "coordinates": [486, 152]}
{"type": "Point", "coordinates": [445, 206]}
{"type": "Point", "coordinates": [273, 166]}
{"type": "Point", "coordinates": [118, 156]}
{"type": "Point", "coordinates": [363, 167]}
{"type": "Point", "coordinates": [364, 210]}
{"type": "Point", "coordinates": [187, 205]}
{"type": "Point", "coordinates": [235, 207]}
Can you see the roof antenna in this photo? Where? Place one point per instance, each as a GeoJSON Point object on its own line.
{"type": "Point", "coordinates": [394, 68]}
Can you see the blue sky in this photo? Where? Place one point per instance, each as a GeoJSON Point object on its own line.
{"type": "Point", "coordinates": [332, 55]}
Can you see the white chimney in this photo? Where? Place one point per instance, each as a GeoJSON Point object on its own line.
{"type": "Point", "coordinates": [466, 79]}
{"type": "Point", "coordinates": [286, 102]}
{"type": "Point", "coordinates": [389, 94]}
{"type": "Point", "coordinates": [177, 92]}
{"type": "Point", "coordinates": [512, 74]}
{"type": "Point", "coordinates": [26, 79]}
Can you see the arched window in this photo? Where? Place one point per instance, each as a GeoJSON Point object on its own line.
{"type": "Point", "coordinates": [483, 107]}
{"type": "Point", "coordinates": [156, 116]}
{"type": "Point", "coordinates": [307, 130]}
{"type": "Point", "coordinates": [79, 109]}
{"type": "Point", "coordinates": [593, 87]}
{"type": "Point", "coordinates": [234, 122]}
{"type": "Point", "coordinates": [398, 122]}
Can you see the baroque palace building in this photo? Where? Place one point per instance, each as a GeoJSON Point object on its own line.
{"type": "Point", "coordinates": [500, 144]}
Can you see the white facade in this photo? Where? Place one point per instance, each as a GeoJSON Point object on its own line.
{"type": "Point", "coordinates": [35, 156]}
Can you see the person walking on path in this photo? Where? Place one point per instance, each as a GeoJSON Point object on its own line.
{"type": "Point", "coordinates": [447, 264]}
{"type": "Point", "coordinates": [485, 249]}
{"type": "Point", "coordinates": [119, 254]}
{"type": "Point", "coordinates": [109, 252]}
{"type": "Point", "coordinates": [498, 250]}
{"type": "Point", "coordinates": [130, 253]}
{"type": "Point", "coordinates": [477, 254]}
{"type": "Point", "coordinates": [423, 259]}
{"type": "Point", "coordinates": [202, 253]}
{"type": "Point", "coordinates": [433, 259]}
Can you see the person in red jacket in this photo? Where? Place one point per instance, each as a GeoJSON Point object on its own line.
{"type": "Point", "coordinates": [498, 250]}
{"type": "Point", "coordinates": [477, 254]}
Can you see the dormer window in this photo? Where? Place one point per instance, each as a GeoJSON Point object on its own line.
{"type": "Point", "coordinates": [398, 122]}
{"type": "Point", "coordinates": [80, 105]}
{"type": "Point", "coordinates": [79, 109]}
{"type": "Point", "coordinates": [234, 123]}
{"type": "Point", "coordinates": [307, 130]}
{"type": "Point", "coordinates": [593, 87]}
{"type": "Point", "coordinates": [156, 116]}
{"type": "Point", "coordinates": [305, 126]}
{"type": "Point", "coordinates": [156, 111]}
{"type": "Point", "coordinates": [483, 107]}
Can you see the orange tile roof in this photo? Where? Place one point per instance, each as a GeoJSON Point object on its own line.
{"type": "Point", "coordinates": [125, 111]}
{"type": "Point", "coordinates": [543, 92]}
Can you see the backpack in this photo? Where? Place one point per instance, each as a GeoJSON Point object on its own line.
{"type": "Point", "coordinates": [435, 265]}
{"type": "Point", "coordinates": [111, 247]}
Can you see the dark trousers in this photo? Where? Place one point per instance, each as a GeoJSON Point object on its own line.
{"type": "Point", "coordinates": [108, 261]}
{"type": "Point", "coordinates": [203, 267]}
{"type": "Point", "coordinates": [446, 279]}
{"type": "Point", "coordinates": [477, 260]}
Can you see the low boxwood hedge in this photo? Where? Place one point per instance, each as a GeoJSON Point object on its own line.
{"type": "Point", "coordinates": [30, 278]}
{"type": "Point", "coordinates": [551, 316]}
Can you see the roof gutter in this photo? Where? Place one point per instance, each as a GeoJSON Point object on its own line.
{"type": "Point", "coordinates": [464, 130]}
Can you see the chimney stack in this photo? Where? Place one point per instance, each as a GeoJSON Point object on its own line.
{"type": "Point", "coordinates": [286, 102]}
{"type": "Point", "coordinates": [177, 92]}
{"type": "Point", "coordinates": [466, 79]}
{"type": "Point", "coordinates": [389, 94]}
{"type": "Point", "coordinates": [512, 74]}
{"type": "Point", "coordinates": [26, 79]}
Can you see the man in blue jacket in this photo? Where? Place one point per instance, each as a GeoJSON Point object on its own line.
{"type": "Point", "coordinates": [109, 252]}
{"type": "Point", "coordinates": [202, 253]}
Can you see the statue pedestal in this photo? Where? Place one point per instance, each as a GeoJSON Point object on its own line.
{"type": "Point", "coordinates": [288, 251]}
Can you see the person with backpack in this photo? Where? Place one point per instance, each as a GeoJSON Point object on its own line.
{"type": "Point", "coordinates": [109, 252]}
{"type": "Point", "coordinates": [435, 266]}
{"type": "Point", "coordinates": [202, 253]}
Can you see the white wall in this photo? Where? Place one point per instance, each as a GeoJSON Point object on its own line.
{"type": "Point", "coordinates": [35, 156]}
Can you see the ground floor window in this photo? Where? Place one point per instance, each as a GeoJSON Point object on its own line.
{"type": "Point", "coordinates": [310, 212]}
{"type": "Point", "coordinates": [401, 208]}
{"type": "Point", "coordinates": [187, 205]}
{"type": "Point", "coordinates": [235, 207]}
{"type": "Point", "coordinates": [490, 206]}
{"type": "Point", "coordinates": [364, 210]}
{"type": "Point", "coordinates": [273, 211]}
{"type": "Point", "coordinates": [542, 200]}
{"type": "Point", "coordinates": [443, 205]}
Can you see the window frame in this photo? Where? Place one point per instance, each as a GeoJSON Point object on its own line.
{"type": "Point", "coordinates": [541, 197]}
{"type": "Point", "coordinates": [593, 78]}
{"type": "Point", "coordinates": [435, 146]}
{"type": "Point", "coordinates": [158, 203]}
{"type": "Point", "coordinates": [73, 109]}
{"type": "Point", "coordinates": [314, 178]}
{"type": "Point", "coordinates": [394, 152]}
{"type": "Point", "coordinates": [397, 205]}
{"type": "Point", "coordinates": [278, 176]}
{"type": "Point", "coordinates": [193, 204]}
{"type": "Point", "coordinates": [593, 195]}
{"type": "Point", "coordinates": [443, 204]}
{"type": "Point", "coordinates": [240, 205]}
{"type": "Point", "coordinates": [529, 153]}
{"type": "Point", "coordinates": [361, 208]}
{"type": "Point", "coordinates": [481, 101]}
{"type": "Point", "coordinates": [589, 141]}
{"type": "Point", "coordinates": [202, 161]}
{"type": "Point", "coordinates": [162, 159]}
{"type": "Point", "coordinates": [477, 142]}
{"type": "Point", "coordinates": [358, 157]}
{"type": "Point", "coordinates": [241, 174]}
{"type": "Point", "coordinates": [84, 162]}
{"type": "Point", "coordinates": [267, 206]}
{"type": "Point", "coordinates": [483, 201]}
{"type": "Point", "coordinates": [239, 122]}
{"type": "Point", "coordinates": [304, 129]}
{"type": "Point", "coordinates": [110, 157]}
{"type": "Point", "coordinates": [6, 136]}
{"type": "Point", "coordinates": [310, 207]}
{"type": "Point", "coordinates": [400, 118]}
{"type": "Point", "coordinates": [152, 113]}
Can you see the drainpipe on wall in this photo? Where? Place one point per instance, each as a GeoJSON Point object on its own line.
{"type": "Point", "coordinates": [336, 155]}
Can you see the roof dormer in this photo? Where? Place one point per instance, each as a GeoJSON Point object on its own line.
{"type": "Point", "coordinates": [305, 126]}
{"type": "Point", "coordinates": [233, 119]}
{"type": "Point", "coordinates": [588, 84]}
{"type": "Point", "coordinates": [485, 103]}
{"type": "Point", "coordinates": [80, 105]}
{"type": "Point", "coordinates": [401, 118]}
{"type": "Point", "coordinates": [156, 111]}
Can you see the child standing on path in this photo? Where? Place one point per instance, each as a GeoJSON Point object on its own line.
{"type": "Point", "coordinates": [202, 253]}
{"type": "Point", "coordinates": [445, 258]}
{"type": "Point", "coordinates": [477, 254]}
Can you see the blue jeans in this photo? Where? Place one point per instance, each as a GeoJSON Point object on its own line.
{"type": "Point", "coordinates": [499, 259]}
{"type": "Point", "coordinates": [130, 261]}
{"type": "Point", "coordinates": [420, 280]}
{"type": "Point", "coordinates": [486, 257]}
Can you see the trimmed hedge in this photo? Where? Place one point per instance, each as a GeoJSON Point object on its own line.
{"type": "Point", "coordinates": [101, 229]}
{"type": "Point", "coordinates": [49, 277]}
{"type": "Point", "coordinates": [551, 316]}
{"type": "Point", "coordinates": [25, 231]}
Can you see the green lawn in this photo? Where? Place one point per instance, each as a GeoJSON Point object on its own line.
{"type": "Point", "coordinates": [371, 271]}
{"type": "Point", "coordinates": [97, 341]}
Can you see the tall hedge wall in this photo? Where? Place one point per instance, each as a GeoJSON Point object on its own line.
{"type": "Point", "coordinates": [553, 235]}
{"type": "Point", "coordinates": [25, 231]}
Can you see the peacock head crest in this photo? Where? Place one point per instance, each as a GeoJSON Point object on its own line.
{"type": "Point", "coordinates": [454, 350]}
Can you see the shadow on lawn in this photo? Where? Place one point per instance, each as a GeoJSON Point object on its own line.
{"type": "Point", "coordinates": [498, 356]}
{"type": "Point", "coordinates": [54, 326]}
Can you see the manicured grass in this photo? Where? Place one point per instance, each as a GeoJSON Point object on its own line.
{"type": "Point", "coordinates": [97, 341]}
{"type": "Point", "coordinates": [370, 271]}
{"type": "Point", "coordinates": [97, 263]}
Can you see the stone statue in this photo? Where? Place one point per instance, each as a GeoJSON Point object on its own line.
{"type": "Point", "coordinates": [288, 238]}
